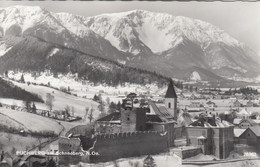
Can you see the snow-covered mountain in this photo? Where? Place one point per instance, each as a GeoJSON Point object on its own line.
{"type": "Point", "coordinates": [158, 31]}
{"type": "Point", "coordinates": [152, 41]}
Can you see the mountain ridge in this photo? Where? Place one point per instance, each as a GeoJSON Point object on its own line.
{"type": "Point", "coordinates": [141, 39]}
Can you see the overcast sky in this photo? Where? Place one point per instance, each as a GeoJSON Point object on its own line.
{"type": "Point", "coordinates": [239, 19]}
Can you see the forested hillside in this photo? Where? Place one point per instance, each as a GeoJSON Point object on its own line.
{"type": "Point", "coordinates": [8, 90]}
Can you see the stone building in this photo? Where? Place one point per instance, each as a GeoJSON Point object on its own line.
{"type": "Point", "coordinates": [66, 151]}
{"type": "Point", "coordinates": [214, 136]}
{"type": "Point", "coordinates": [135, 130]}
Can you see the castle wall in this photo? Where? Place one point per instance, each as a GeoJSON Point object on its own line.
{"type": "Point", "coordinates": [171, 133]}
{"type": "Point", "coordinates": [131, 144]}
{"type": "Point", "coordinates": [107, 128]}
{"type": "Point", "coordinates": [69, 145]}
{"type": "Point", "coordinates": [187, 153]}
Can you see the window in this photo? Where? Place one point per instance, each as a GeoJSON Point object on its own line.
{"type": "Point", "coordinates": [169, 105]}
{"type": "Point", "coordinates": [200, 141]}
{"type": "Point", "coordinates": [248, 134]}
{"type": "Point", "coordinates": [203, 133]}
{"type": "Point", "coordinates": [128, 118]}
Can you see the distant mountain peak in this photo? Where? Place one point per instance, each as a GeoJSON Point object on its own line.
{"type": "Point", "coordinates": [174, 46]}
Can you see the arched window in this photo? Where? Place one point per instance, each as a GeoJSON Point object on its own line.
{"type": "Point", "coordinates": [169, 105]}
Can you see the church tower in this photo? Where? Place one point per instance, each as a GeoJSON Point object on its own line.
{"type": "Point", "coordinates": [171, 100]}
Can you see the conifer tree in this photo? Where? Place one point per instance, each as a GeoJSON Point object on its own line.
{"type": "Point", "coordinates": [34, 108]}
{"type": "Point", "coordinates": [22, 79]}
{"type": "Point", "coordinates": [149, 162]}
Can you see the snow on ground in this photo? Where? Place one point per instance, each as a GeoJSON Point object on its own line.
{"type": "Point", "coordinates": [18, 142]}
{"type": "Point", "coordinates": [4, 49]}
{"type": "Point", "coordinates": [9, 122]}
{"type": "Point", "coordinates": [32, 121]}
{"type": "Point", "coordinates": [53, 52]}
{"type": "Point", "coordinates": [201, 157]}
{"type": "Point", "coordinates": [11, 101]}
{"type": "Point", "coordinates": [223, 105]}
{"type": "Point", "coordinates": [161, 160]}
{"type": "Point", "coordinates": [195, 76]}
{"type": "Point", "coordinates": [87, 89]}
{"type": "Point", "coordinates": [155, 38]}
{"type": "Point", "coordinates": [61, 99]}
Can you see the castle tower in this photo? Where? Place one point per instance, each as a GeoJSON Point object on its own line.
{"type": "Point", "coordinates": [133, 120]}
{"type": "Point", "coordinates": [171, 100]}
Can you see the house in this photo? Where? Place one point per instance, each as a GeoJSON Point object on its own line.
{"type": "Point", "coordinates": [252, 136]}
{"type": "Point", "coordinates": [250, 103]}
{"type": "Point", "coordinates": [214, 136]}
{"type": "Point", "coordinates": [243, 113]}
{"type": "Point", "coordinates": [246, 123]}
{"type": "Point", "coordinates": [238, 132]}
{"type": "Point", "coordinates": [192, 97]}
{"type": "Point", "coordinates": [237, 104]}
{"type": "Point", "coordinates": [35, 160]}
{"type": "Point", "coordinates": [6, 159]}
{"type": "Point", "coordinates": [195, 105]}
{"type": "Point", "coordinates": [237, 121]}
{"type": "Point", "coordinates": [184, 118]}
{"type": "Point", "coordinates": [66, 145]}
{"type": "Point", "coordinates": [109, 124]}
{"type": "Point", "coordinates": [211, 105]}
{"type": "Point", "coordinates": [239, 95]}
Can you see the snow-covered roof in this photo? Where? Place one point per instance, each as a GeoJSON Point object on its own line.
{"type": "Point", "coordinates": [257, 121]}
{"type": "Point", "coordinates": [244, 112]}
{"type": "Point", "coordinates": [238, 132]}
{"type": "Point", "coordinates": [201, 137]}
{"type": "Point", "coordinates": [255, 130]}
{"type": "Point", "coordinates": [237, 121]}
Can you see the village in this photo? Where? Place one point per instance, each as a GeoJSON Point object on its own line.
{"type": "Point", "coordinates": [221, 124]}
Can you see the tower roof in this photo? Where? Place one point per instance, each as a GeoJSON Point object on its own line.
{"type": "Point", "coordinates": [170, 91]}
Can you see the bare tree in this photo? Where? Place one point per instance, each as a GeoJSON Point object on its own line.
{"type": "Point", "coordinates": [1, 146]}
{"type": "Point", "coordinates": [72, 110]}
{"type": "Point", "coordinates": [13, 151]}
{"type": "Point", "coordinates": [108, 100]}
{"type": "Point", "coordinates": [90, 116]}
{"type": "Point", "coordinates": [9, 136]}
{"type": "Point", "coordinates": [101, 107]}
{"type": "Point", "coordinates": [67, 111]}
{"type": "Point", "coordinates": [49, 100]}
{"type": "Point", "coordinates": [86, 113]}
{"type": "Point", "coordinates": [27, 148]}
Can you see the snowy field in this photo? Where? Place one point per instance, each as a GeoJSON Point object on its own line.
{"type": "Point", "coordinates": [32, 122]}
{"type": "Point", "coordinates": [161, 160]}
{"type": "Point", "coordinates": [167, 160]}
{"type": "Point", "coordinates": [10, 123]}
{"type": "Point", "coordinates": [87, 89]}
{"type": "Point", "coordinates": [20, 143]}
{"type": "Point", "coordinates": [61, 99]}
